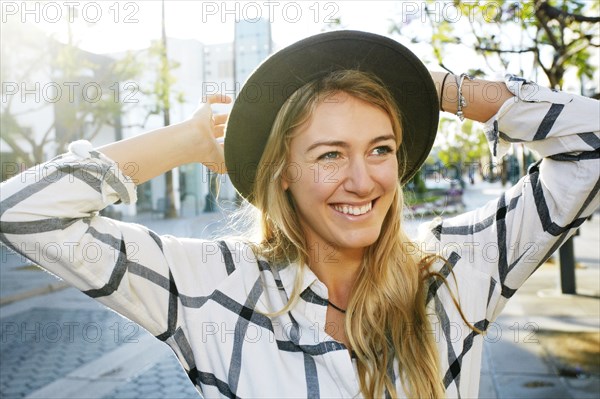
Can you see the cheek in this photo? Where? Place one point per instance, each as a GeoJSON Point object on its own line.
{"type": "Point", "coordinates": [311, 187]}
{"type": "Point", "coordinates": [388, 176]}
{"type": "Point", "coordinates": [391, 182]}
{"type": "Point", "coordinates": [291, 176]}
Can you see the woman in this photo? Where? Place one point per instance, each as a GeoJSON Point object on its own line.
{"type": "Point", "coordinates": [333, 299]}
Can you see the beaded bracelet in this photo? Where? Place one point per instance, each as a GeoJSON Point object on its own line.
{"type": "Point", "coordinates": [462, 103]}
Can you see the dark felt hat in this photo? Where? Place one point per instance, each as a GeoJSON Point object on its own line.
{"type": "Point", "coordinates": [274, 81]}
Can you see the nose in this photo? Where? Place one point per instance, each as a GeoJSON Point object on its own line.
{"type": "Point", "coordinates": [358, 178]}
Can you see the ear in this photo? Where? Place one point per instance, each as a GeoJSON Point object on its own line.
{"type": "Point", "coordinates": [284, 183]}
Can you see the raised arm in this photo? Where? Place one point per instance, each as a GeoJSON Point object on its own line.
{"type": "Point", "coordinates": [153, 153]}
{"type": "Point", "coordinates": [503, 242]}
{"type": "Point", "coordinates": [484, 98]}
{"type": "Point", "coordinates": [50, 214]}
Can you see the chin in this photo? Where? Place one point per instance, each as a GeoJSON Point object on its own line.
{"type": "Point", "coordinates": [358, 242]}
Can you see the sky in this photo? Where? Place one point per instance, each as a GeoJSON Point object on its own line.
{"type": "Point", "coordinates": [113, 26]}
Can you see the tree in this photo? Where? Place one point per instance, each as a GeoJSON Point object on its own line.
{"type": "Point", "coordinates": [460, 143]}
{"type": "Point", "coordinates": [78, 92]}
{"type": "Point", "coordinates": [157, 90]}
{"type": "Point", "coordinates": [536, 36]}
{"type": "Point", "coordinates": [163, 92]}
{"type": "Point", "coordinates": [554, 35]}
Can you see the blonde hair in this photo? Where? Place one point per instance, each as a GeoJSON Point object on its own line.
{"type": "Point", "coordinates": [386, 319]}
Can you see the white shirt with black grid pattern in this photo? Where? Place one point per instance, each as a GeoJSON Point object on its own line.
{"type": "Point", "coordinates": [208, 299]}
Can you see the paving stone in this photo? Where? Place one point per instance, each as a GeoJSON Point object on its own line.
{"type": "Point", "coordinates": [148, 389]}
{"type": "Point", "coordinates": [166, 379]}
{"type": "Point", "coordinates": [18, 275]}
{"type": "Point", "coordinates": [517, 353]}
{"type": "Point", "coordinates": [486, 387]}
{"type": "Point", "coordinates": [28, 344]}
{"type": "Point", "coordinates": [485, 359]}
{"type": "Point", "coordinates": [11, 391]}
{"type": "Point", "coordinates": [583, 388]}
{"type": "Point", "coordinates": [530, 387]}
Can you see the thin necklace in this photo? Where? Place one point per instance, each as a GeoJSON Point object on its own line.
{"type": "Point", "coordinates": [336, 307]}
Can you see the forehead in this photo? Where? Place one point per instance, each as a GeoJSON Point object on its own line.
{"type": "Point", "coordinates": [342, 116]}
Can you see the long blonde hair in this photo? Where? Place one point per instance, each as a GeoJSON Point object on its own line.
{"type": "Point", "coordinates": [386, 319]}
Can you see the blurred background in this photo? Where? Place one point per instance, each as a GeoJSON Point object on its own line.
{"type": "Point", "coordinates": [104, 71]}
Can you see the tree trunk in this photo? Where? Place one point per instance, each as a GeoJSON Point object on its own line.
{"type": "Point", "coordinates": [170, 211]}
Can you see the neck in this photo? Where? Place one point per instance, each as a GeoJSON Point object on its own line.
{"type": "Point", "coordinates": [337, 269]}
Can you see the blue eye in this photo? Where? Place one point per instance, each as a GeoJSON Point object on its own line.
{"type": "Point", "coordinates": [383, 150]}
{"type": "Point", "coordinates": [329, 155]}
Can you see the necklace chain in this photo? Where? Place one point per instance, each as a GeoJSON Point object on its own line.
{"type": "Point", "coordinates": [336, 307]}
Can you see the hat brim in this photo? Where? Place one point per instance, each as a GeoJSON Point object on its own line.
{"type": "Point", "coordinates": [276, 79]}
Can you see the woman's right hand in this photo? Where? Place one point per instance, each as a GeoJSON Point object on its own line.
{"type": "Point", "coordinates": [151, 154]}
{"type": "Point", "coordinates": [208, 130]}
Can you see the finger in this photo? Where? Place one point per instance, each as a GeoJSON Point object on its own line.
{"type": "Point", "coordinates": [219, 130]}
{"type": "Point", "coordinates": [217, 169]}
{"type": "Point", "coordinates": [218, 99]}
{"type": "Point", "coordinates": [220, 119]}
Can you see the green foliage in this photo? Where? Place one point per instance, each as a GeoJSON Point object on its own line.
{"type": "Point", "coordinates": [86, 98]}
{"type": "Point", "coordinates": [557, 35]}
{"type": "Point", "coordinates": [162, 93]}
{"type": "Point", "coordinates": [548, 37]}
{"type": "Point", "coordinates": [411, 199]}
{"type": "Point", "coordinates": [417, 183]}
{"type": "Point", "coordinates": [460, 143]}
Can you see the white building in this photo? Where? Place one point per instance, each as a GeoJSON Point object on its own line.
{"type": "Point", "coordinates": [187, 55]}
{"type": "Point", "coordinates": [49, 93]}
{"type": "Point", "coordinates": [200, 70]}
{"type": "Point", "coordinates": [253, 44]}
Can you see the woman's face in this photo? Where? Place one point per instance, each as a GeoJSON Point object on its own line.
{"type": "Point", "coordinates": [343, 172]}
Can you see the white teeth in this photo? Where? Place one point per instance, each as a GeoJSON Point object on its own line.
{"type": "Point", "coordinates": [353, 210]}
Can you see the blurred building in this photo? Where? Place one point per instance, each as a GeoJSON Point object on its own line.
{"type": "Point", "coordinates": [52, 94]}
{"type": "Point", "coordinates": [252, 44]}
{"type": "Point", "coordinates": [226, 67]}
{"type": "Point", "coordinates": [203, 70]}
{"type": "Point", "coordinates": [198, 70]}
{"type": "Point", "coordinates": [186, 91]}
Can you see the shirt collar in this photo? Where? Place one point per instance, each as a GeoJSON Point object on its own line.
{"type": "Point", "coordinates": [309, 279]}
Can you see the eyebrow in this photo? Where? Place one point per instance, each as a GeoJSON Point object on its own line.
{"type": "Point", "coordinates": [339, 143]}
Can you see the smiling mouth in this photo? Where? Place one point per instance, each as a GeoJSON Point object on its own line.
{"type": "Point", "coordinates": [352, 209]}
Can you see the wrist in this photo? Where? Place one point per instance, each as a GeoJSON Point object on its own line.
{"type": "Point", "coordinates": [447, 91]}
{"type": "Point", "coordinates": [191, 141]}
{"type": "Point", "coordinates": [450, 99]}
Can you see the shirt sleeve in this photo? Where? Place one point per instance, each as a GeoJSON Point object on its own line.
{"type": "Point", "coordinates": [509, 238]}
{"type": "Point", "coordinates": [49, 214]}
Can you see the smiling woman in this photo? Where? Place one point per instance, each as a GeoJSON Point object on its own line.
{"type": "Point", "coordinates": [341, 215]}
{"type": "Point", "coordinates": [333, 299]}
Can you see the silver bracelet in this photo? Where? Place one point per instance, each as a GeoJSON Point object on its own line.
{"type": "Point", "coordinates": [462, 103]}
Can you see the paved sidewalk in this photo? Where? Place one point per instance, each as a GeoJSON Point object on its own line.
{"type": "Point", "coordinates": [64, 345]}
{"type": "Point", "coordinates": [520, 361]}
